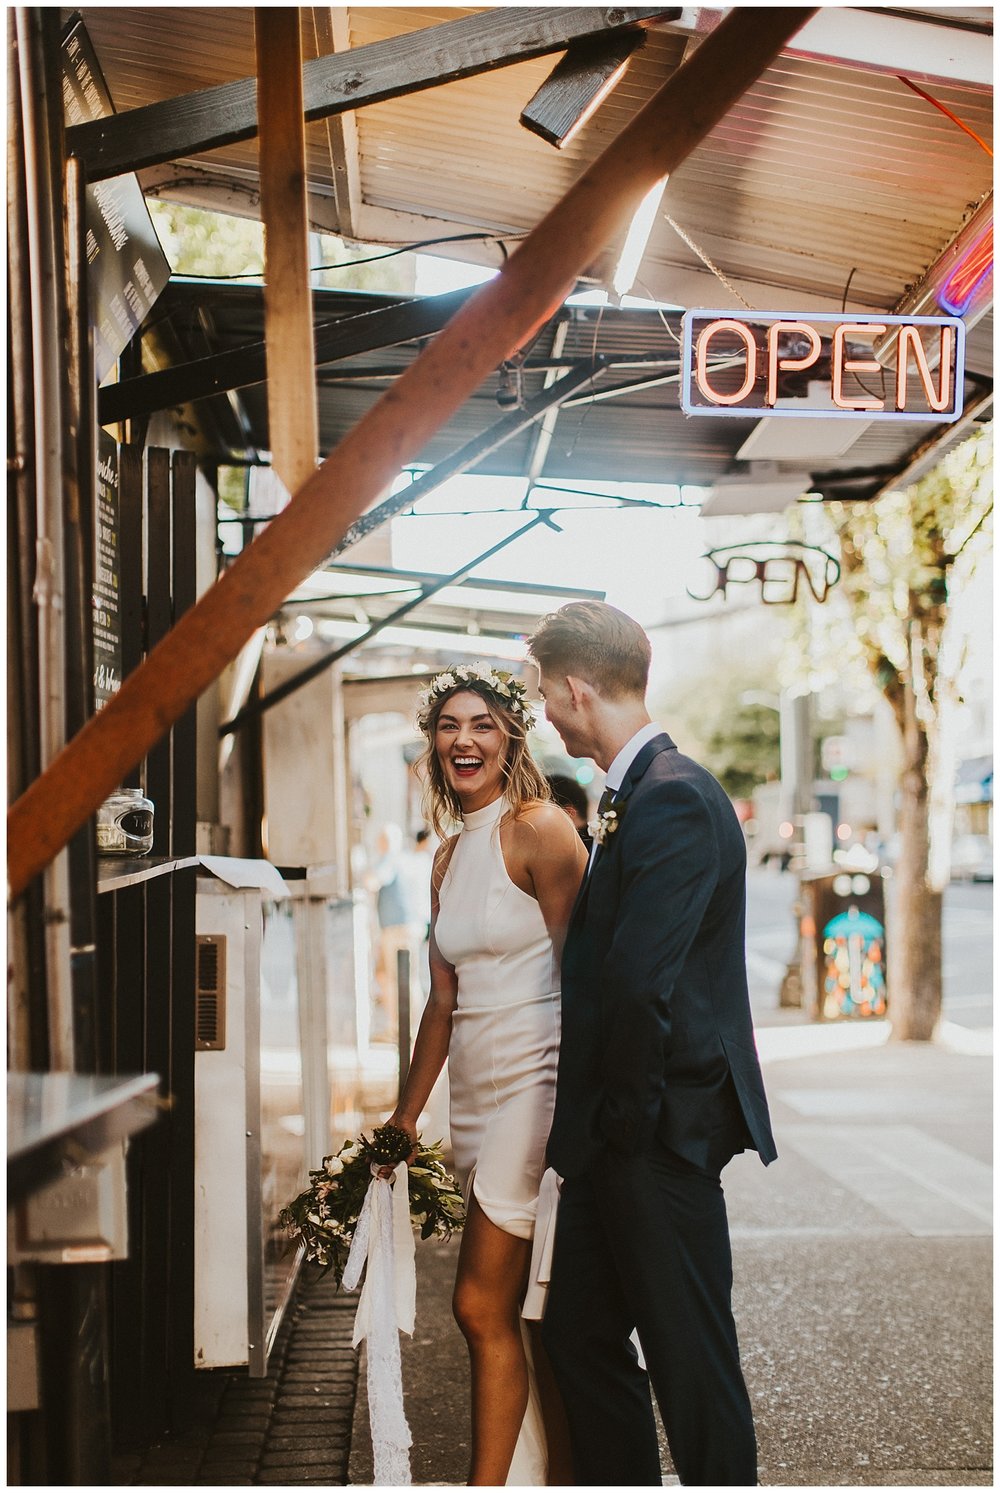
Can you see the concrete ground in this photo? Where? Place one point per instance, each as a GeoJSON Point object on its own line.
{"type": "Point", "coordinates": [863, 1276]}
{"type": "Point", "coordinates": [292, 1428]}
{"type": "Point", "coordinates": [863, 1273]}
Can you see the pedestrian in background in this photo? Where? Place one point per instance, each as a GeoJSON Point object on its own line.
{"type": "Point", "coordinates": [572, 797]}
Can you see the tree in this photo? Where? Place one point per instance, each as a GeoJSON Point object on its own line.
{"type": "Point", "coordinates": [904, 558]}
{"type": "Point", "coordinates": [735, 739]}
{"type": "Point", "coordinates": [198, 242]}
{"type": "Point", "coordinates": [221, 246]}
{"type": "Point", "coordinates": [742, 749]}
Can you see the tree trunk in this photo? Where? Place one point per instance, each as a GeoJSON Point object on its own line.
{"type": "Point", "coordinates": [914, 948]}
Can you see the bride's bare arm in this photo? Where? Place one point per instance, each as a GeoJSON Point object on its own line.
{"type": "Point", "coordinates": [434, 1033]}
{"type": "Point", "coordinates": [546, 858]}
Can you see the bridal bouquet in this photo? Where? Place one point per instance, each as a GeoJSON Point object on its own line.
{"type": "Point", "coordinates": [326, 1215]}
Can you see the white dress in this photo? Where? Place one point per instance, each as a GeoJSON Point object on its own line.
{"type": "Point", "coordinates": [504, 1051]}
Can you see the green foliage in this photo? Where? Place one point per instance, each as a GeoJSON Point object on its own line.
{"type": "Point", "coordinates": [232, 487]}
{"type": "Point", "coordinates": [886, 627]}
{"type": "Point", "coordinates": [218, 245]}
{"type": "Point", "coordinates": [197, 242]}
{"type": "Point", "coordinates": [742, 749]}
{"type": "Point", "coordinates": [902, 557]}
{"type": "Point", "coordinates": [734, 737]}
{"type": "Point", "coordinates": [393, 275]}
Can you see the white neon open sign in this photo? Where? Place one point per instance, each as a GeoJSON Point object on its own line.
{"type": "Point", "coordinates": [741, 364]}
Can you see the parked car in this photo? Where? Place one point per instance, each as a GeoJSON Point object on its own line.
{"type": "Point", "coordinates": [972, 858]}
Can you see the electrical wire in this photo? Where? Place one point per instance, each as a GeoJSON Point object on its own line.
{"type": "Point", "coordinates": [945, 110]}
{"type": "Point", "coordinates": [659, 311]}
{"type": "Point", "coordinates": [843, 302]}
{"type": "Point", "coordinates": [346, 264]}
{"type": "Point", "coordinates": [843, 307]}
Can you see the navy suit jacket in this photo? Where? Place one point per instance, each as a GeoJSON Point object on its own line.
{"type": "Point", "coordinates": [657, 1042]}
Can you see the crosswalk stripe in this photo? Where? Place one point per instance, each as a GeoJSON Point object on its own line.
{"type": "Point", "coordinates": [927, 1187]}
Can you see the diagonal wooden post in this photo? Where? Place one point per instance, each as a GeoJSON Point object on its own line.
{"type": "Point", "coordinates": [489, 328]}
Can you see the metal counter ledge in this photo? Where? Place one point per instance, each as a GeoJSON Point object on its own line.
{"type": "Point", "coordinates": [56, 1121]}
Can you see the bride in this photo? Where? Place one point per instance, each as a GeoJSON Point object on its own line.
{"type": "Point", "coordinates": [502, 892]}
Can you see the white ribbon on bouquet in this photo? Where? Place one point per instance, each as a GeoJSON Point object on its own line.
{"type": "Point", "coordinates": [384, 1237]}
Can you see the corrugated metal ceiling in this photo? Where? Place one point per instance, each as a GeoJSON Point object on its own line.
{"type": "Point", "coordinates": [821, 175]}
{"type": "Point", "coordinates": [819, 170]}
{"type": "Point", "coordinates": [640, 435]}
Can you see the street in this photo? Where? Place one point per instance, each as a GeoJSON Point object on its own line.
{"type": "Point", "coordinates": [968, 946]}
{"type": "Point", "coordinates": [968, 951]}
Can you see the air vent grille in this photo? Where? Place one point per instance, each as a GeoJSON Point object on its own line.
{"type": "Point", "coordinates": [210, 993]}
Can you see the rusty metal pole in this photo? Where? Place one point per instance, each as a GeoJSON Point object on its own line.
{"type": "Point", "coordinates": [496, 321]}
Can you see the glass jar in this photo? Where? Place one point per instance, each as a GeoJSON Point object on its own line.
{"type": "Point", "coordinates": [125, 823]}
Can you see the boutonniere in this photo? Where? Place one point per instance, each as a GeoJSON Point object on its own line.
{"type": "Point", "coordinates": [604, 825]}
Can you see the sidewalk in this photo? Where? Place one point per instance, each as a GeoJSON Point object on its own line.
{"type": "Point", "coordinates": [292, 1428]}
{"type": "Point", "coordinates": [863, 1271]}
{"type": "Point", "coordinates": [863, 1274]}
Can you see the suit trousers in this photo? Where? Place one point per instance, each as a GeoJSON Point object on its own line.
{"type": "Point", "coordinates": [643, 1242]}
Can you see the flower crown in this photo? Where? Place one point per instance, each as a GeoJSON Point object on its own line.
{"type": "Point", "coordinates": [501, 682]}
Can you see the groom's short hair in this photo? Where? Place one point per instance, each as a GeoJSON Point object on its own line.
{"type": "Point", "coordinates": [595, 642]}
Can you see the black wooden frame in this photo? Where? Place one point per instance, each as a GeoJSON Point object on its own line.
{"type": "Point", "coordinates": [146, 948]}
{"type": "Point", "coordinates": [224, 115]}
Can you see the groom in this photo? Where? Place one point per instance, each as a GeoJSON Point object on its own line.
{"type": "Point", "coordinates": [659, 1083]}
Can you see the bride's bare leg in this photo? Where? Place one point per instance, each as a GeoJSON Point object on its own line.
{"type": "Point", "coordinates": [560, 1457]}
{"type": "Point", "coordinates": [492, 1269]}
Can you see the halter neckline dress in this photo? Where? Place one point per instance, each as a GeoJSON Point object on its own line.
{"type": "Point", "coordinates": [504, 1050]}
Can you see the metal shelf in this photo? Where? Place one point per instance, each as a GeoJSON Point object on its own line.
{"type": "Point", "coordinates": [56, 1121]}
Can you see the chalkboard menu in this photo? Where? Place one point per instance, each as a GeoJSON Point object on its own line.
{"type": "Point", "coordinates": [126, 268]}
{"type": "Point", "coordinates": [107, 614]}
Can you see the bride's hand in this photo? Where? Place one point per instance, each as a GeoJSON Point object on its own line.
{"type": "Point", "coordinates": [411, 1130]}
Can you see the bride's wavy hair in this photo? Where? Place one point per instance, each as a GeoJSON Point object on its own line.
{"type": "Point", "coordinates": [524, 782]}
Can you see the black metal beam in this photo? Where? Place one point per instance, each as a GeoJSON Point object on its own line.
{"type": "Point", "coordinates": [212, 117]}
{"type": "Point", "coordinates": [632, 386]}
{"type": "Point", "coordinates": [241, 367]}
{"type": "Point", "coordinates": [335, 377]}
{"type": "Point", "coordinates": [408, 579]}
{"type": "Point", "coordinates": [282, 691]}
{"type": "Point", "coordinates": [466, 457]}
{"type": "Point", "coordinates": [473, 451]}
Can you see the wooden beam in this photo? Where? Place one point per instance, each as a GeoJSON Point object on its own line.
{"type": "Point", "coordinates": [293, 432]}
{"type": "Point", "coordinates": [241, 367]}
{"type": "Point", "coordinates": [500, 318]}
{"type": "Point", "coordinates": [196, 122]}
{"type": "Point", "coordinates": [578, 84]}
{"type": "Point", "coordinates": [330, 25]}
